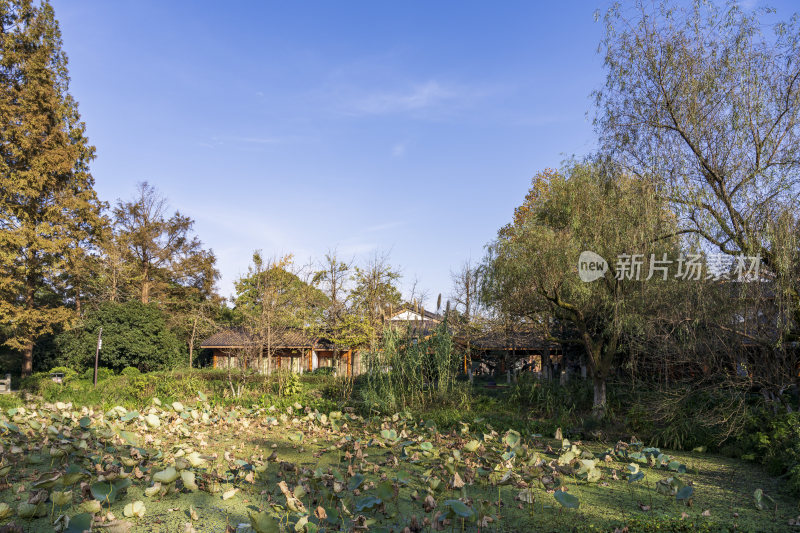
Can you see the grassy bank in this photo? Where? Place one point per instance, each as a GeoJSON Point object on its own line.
{"type": "Point", "coordinates": [134, 390]}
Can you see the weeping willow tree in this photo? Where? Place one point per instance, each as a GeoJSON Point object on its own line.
{"type": "Point", "coordinates": [411, 372]}
{"type": "Point", "coordinates": [532, 270]}
{"type": "Point", "coordinates": [704, 100]}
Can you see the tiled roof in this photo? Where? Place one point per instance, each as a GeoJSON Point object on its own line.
{"type": "Point", "coordinates": [227, 338]}
{"type": "Point", "coordinates": [239, 338]}
{"type": "Point", "coordinates": [414, 309]}
{"type": "Point", "coordinates": [511, 340]}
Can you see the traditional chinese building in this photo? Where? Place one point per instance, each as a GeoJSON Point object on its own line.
{"type": "Point", "coordinates": [416, 321]}
{"type": "Point", "coordinates": [292, 349]}
{"type": "Point", "coordinates": [517, 350]}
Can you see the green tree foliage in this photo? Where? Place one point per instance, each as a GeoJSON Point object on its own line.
{"type": "Point", "coordinates": [193, 319]}
{"type": "Point", "coordinates": [332, 279]}
{"type": "Point", "coordinates": [375, 293]}
{"type": "Point", "coordinates": [271, 299]}
{"type": "Point", "coordinates": [342, 323]}
{"type": "Point", "coordinates": [110, 274]}
{"type": "Point", "coordinates": [271, 283]}
{"type": "Point", "coordinates": [134, 334]}
{"type": "Point", "coordinates": [48, 207]}
{"type": "Point", "coordinates": [699, 100]}
{"type": "Point", "coordinates": [532, 275]}
{"type": "Point", "coordinates": [352, 331]}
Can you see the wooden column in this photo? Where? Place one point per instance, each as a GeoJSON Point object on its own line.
{"type": "Point", "coordinates": [311, 360]}
{"type": "Point", "coordinates": [350, 363]}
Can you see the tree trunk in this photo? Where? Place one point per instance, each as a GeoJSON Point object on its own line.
{"type": "Point", "coordinates": [27, 353]}
{"type": "Point", "coordinates": [27, 360]}
{"type": "Point", "coordinates": [599, 406]}
{"type": "Point", "coordinates": [600, 355]}
{"type": "Point", "coordinates": [191, 341]}
{"type": "Point", "coordinates": [547, 367]}
{"type": "Point", "coordinates": [145, 285]}
{"type": "Point", "coordinates": [269, 349]}
{"type": "Point", "coordinates": [113, 294]}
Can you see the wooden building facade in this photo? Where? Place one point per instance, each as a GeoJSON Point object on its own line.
{"type": "Point", "coordinates": [518, 350]}
{"type": "Point", "coordinates": [292, 350]}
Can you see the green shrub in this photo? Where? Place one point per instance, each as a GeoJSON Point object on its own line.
{"type": "Point", "coordinates": [134, 334]}
{"type": "Point", "coordinates": [102, 374]}
{"type": "Point", "coordinates": [8, 401]}
{"type": "Point", "coordinates": [778, 448]}
{"type": "Point", "coordinates": [337, 388]}
{"type": "Point", "coordinates": [37, 382]}
{"type": "Point", "coordinates": [69, 373]}
{"type": "Point", "coordinates": [684, 416]}
{"type": "Point", "coordinates": [130, 371]}
{"type": "Point", "coordinates": [292, 385]}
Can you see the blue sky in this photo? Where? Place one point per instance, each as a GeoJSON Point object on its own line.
{"type": "Point", "coordinates": [411, 129]}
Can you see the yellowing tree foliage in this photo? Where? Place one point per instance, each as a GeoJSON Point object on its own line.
{"type": "Point", "coordinates": [48, 207]}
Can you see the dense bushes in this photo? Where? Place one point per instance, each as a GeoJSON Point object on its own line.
{"type": "Point", "coordinates": [678, 417]}
{"type": "Point", "coordinates": [777, 447]}
{"type": "Point", "coordinates": [135, 391]}
{"type": "Point", "coordinates": [102, 373]}
{"type": "Point", "coordinates": [134, 335]}
{"type": "Point", "coordinates": [68, 372]}
{"type": "Point", "coordinates": [550, 398]}
{"type": "Point", "coordinates": [684, 416]}
{"type": "Point", "coordinates": [130, 371]}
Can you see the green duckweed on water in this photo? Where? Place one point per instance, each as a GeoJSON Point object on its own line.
{"type": "Point", "coordinates": [194, 467]}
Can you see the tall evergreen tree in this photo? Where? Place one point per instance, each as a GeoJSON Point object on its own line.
{"type": "Point", "coordinates": [48, 206]}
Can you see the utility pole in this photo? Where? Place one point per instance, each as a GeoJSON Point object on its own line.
{"type": "Point", "coordinates": [97, 353]}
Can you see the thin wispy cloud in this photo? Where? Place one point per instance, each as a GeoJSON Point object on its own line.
{"type": "Point", "coordinates": [303, 117]}
{"type": "Point", "coordinates": [431, 99]}
{"type": "Point", "coordinates": [420, 96]}
{"type": "Point", "coordinates": [246, 224]}
{"type": "Point", "coordinates": [385, 226]}
{"type": "Point", "coordinates": [361, 243]}
{"type": "Point", "coordinates": [356, 248]}
{"type": "Point", "coordinates": [258, 140]}
{"type": "Point", "coordinates": [246, 141]}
